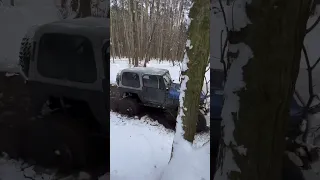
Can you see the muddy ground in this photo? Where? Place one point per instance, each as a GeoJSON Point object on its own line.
{"type": "Point", "coordinates": [56, 141]}
{"type": "Point", "coordinates": [167, 119]}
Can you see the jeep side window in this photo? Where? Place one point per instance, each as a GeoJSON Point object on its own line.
{"type": "Point", "coordinates": [130, 79]}
{"type": "Point", "coordinates": [162, 84]}
{"type": "Point", "coordinates": [150, 81]}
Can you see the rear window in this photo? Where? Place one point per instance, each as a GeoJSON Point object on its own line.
{"type": "Point", "coordinates": [70, 57]}
{"type": "Point", "coordinates": [130, 79]}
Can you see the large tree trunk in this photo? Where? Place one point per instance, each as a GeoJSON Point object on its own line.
{"type": "Point", "coordinates": [266, 39]}
{"type": "Point", "coordinates": [193, 72]}
{"type": "Point", "coordinates": [198, 54]}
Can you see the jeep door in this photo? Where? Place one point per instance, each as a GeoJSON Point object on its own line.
{"type": "Point", "coordinates": [152, 92]}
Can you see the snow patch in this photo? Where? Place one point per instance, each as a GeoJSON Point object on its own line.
{"type": "Point", "coordinates": [236, 15]}
{"type": "Point", "coordinates": [229, 165]}
{"type": "Point", "coordinates": [242, 150]}
{"type": "Point", "coordinates": [233, 84]}
{"type": "Point", "coordinates": [141, 149]}
{"type": "Point", "coordinates": [303, 126]}
{"type": "Point", "coordinates": [188, 44]}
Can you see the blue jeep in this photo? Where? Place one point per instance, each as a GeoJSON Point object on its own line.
{"type": "Point", "coordinates": [152, 87]}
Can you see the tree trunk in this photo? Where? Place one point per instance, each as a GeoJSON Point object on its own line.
{"type": "Point", "coordinates": [197, 53]}
{"type": "Point", "coordinates": [133, 6]}
{"type": "Point", "coordinates": [193, 72]}
{"type": "Point", "coordinates": [260, 86]}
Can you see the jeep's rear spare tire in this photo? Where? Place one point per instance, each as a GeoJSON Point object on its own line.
{"type": "Point", "coordinates": [26, 49]}
{"type": "Point", "coordinates": [129, 106]}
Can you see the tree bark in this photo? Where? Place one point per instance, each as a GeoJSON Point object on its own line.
{"type": "Point", "coordinates": [193, 72]}
{"type": "Point", "coordinates": [198, 55]}
{"type": "Point", "coordinates": [133, 5]}
{"type": "Point", "coordinates": [260, 85]}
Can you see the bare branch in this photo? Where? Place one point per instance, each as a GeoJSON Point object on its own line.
{"type": "Point", "coordinates": [224, 15]}
{"type": "Point", "coordinates": [311, 93]}
{"type": "Point", "coordinates": [315, 64]}
{"type": "Point", "coordinates": [313, 25]}
{"type": "Point", "coordinates": [309, 70]}
{"type": "Point", "coordinates": [222, 51]}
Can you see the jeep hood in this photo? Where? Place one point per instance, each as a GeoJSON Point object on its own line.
{"type": "Point", "coordinates": [174, 92]}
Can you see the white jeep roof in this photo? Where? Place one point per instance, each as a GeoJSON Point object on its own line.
{"type": "Point", "coordinates": [89, 27]}
{"type": "Point", "coordinates": [146, 70]}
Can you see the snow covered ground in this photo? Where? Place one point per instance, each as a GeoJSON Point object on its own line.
{"type": "Point", "coordinates": [141, 148]}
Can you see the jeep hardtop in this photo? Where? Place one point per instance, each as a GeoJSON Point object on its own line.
{"type": "Point", "coordinates": [68, 60]}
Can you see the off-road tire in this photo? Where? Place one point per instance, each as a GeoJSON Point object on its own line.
{"type": "Point", "coordinates": [129, 106]}
{"type": "Point", "coordinates": [54, 103]}
{"type": "Point", "coordinates": [26, 50]}
{"type": "Point", "coordinates": [36, 105]}
{"type": "Point", "coordinates": [63, 145]}
{"type": "Point", "coordinates": [114, 104]}
{"type": "Point", "coordinates": [25, 55]}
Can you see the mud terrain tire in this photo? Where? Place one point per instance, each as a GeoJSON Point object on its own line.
{"type": "Point", "coordinates": [114, 104]}
{"type": "Point", "coordinates": [26, 50]}
{"type": "Point", "coordinates": [51, 142]}
{"type": "Point", "coordinates": [25, 55]}
{"type": "Point", "coordinates": [129, 106]}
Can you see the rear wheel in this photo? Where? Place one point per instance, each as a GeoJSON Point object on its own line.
{"type": "Point", "coordinates": [129, 106]}
{"type": "Point", "coordinates": [114, 104]}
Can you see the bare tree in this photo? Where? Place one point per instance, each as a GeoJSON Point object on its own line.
{"type": "Point", "coordinates": [159, 29]}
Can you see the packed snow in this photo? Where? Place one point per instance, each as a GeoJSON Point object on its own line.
{"type": "Point", "coordinates": [141, 149]}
